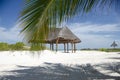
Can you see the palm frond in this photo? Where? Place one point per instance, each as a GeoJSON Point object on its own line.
{"type": "Point", "coordinates": [40, 15]}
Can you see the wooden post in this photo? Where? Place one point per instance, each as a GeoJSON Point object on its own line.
{"type": "Point", "coordinates": [57, 44]}
{"type": "Point", "coordinates": [64, 47]}
{"type": "Point", "coordinates": [71, 46]}
{"type": "Point", "coordinates": [52, 46]}
{"type": "Point", "coordinates": [74, 48]}
{"type": "Point", "coordinates": [67, 47]}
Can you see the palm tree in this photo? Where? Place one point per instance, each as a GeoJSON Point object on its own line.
{"type": "Point", "coordinates": [114, 44]}
{"type": "Point", "coordinates": [39, 16]}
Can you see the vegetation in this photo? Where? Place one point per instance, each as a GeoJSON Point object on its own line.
{"type": "Point", "coordinates": [4, 46]}
{"type": "Point", "coordinates": [40, 15]}
{"type": "Point", "coordinates": [20, 46]}
{"type": "Point", "coordinates": [89, 49]}
{"type": "Point", "coordinates": [16, 46]}
{"type": "Point", "coordinates": [37, 47]}
{"type": "Point", "coordinates": [110, 50]}
{"type": "Point", "coordinates": [103, 49]}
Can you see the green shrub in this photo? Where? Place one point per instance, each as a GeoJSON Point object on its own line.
{"type": "Point", "coordinates": [114, 50]}
{"type": "Point", "coordinates": [37, 47]}
{"type": "Point", "coordinates": [103, 49]}
{"type": "Point", "coordinates": [4, 46]}
{"type": "Point", "coordinates": [17, 46]}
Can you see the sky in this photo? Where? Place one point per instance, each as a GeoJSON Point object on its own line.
{"type": "Point", "coordinates": [95, 29]}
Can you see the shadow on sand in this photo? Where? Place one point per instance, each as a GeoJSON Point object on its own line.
{"type": "Point", "coordinates": [63, 72]}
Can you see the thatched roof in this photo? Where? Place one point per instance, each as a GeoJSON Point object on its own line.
{"type": "Point", "coordinates": [64, 35]}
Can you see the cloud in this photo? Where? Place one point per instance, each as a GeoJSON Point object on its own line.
{"type": "Point", "coordinates": [89, 27]}
{"type": "Point", "coordinates": [9, 35]}
{"type": "Point", "coordinates": [92, 34]}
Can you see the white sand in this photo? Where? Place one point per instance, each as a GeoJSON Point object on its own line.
{"type": "Point", "coordinates": [11, 60]}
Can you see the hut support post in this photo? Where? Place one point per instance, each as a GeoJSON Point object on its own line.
{"type": "Point", "coordinates": [74, 48]}
{"type": "Point", "coordinates": [64, 47]}
{"type": "Point", "coordinates": [57, 44]}
{"type": "Point", "coordinates": [67, 47]}
{"type": "Point", "coordinates": [71, 48]}
{"type": "Point", "coordinates": [52, 46]}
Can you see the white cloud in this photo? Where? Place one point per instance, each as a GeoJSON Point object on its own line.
{"type": "Point", "coordinates": [83, 30]}
{"type": "Point", "coordinates": [89, 27]}
{"type": "Point", "coordinates": [9, 35]}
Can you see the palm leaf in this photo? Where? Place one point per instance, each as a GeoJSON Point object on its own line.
{"type": "Point", "coordinates": [40, 15]}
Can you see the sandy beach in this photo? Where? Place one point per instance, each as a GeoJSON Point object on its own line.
{"type": "Point", "coordinates": [49, 65]}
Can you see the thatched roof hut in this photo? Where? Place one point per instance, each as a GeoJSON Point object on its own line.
{"type": "Point", "coordinates": [61, 36]}
{"type": "Point", "coordinates": [64, 35]}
